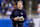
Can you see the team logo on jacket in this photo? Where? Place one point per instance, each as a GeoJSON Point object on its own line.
{"type": "Point", "coordinates": [21, 13]}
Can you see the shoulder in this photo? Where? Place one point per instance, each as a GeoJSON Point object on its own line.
{"type": "Point", "coordinates": [14, 10]}
{"type": "Point", "coordinates": [24, 10]}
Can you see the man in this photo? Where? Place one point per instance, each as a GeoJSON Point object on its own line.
{"type": "Point", "coordinates": [18, 14]}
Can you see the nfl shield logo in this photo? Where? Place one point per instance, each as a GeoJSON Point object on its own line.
{"type": "Point", "coordinates": [21, 13]}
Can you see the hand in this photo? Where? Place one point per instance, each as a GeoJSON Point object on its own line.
{"type": "Point", "coordinates": [22, 19]}
{"type": "Point", "coordinates": [16, 19]}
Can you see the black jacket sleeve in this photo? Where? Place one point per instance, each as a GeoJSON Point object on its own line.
{"type": "Point", "coordinates": [25, 16]}
{"type": "Point", "coordinates": [12, 15]}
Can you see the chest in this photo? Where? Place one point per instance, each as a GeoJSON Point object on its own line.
{"type": "Point", "coordinates": [19, 13]}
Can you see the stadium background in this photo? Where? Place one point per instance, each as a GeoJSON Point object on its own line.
{"type": "Point", "coordinates": [7, 6]}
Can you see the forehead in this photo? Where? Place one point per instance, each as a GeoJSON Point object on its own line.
{"type": "Point", "coordinates": [19, 2]}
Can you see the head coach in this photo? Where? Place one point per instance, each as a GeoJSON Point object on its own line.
{"type": "Point", "coordinates": [18, 15]}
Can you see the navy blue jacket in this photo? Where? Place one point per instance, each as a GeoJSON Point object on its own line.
{"type": "Point", "coordinates": [19, 13]}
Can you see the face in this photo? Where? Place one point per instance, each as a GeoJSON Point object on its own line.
{"type": "Point", "coordinates": [19, 5]}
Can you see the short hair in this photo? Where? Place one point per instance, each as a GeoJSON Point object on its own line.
{"type": "Point", "coordinates": [19, 2]}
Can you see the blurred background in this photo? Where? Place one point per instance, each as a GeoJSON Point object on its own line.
{"type": "Point", "coordinates": [32, 8]}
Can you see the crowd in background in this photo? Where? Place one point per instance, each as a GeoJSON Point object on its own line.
{"type": "Point", "coordinates": [7, 6]}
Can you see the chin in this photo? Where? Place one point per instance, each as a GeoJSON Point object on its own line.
{"type": "Point", "coordinates": [20, 9]}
